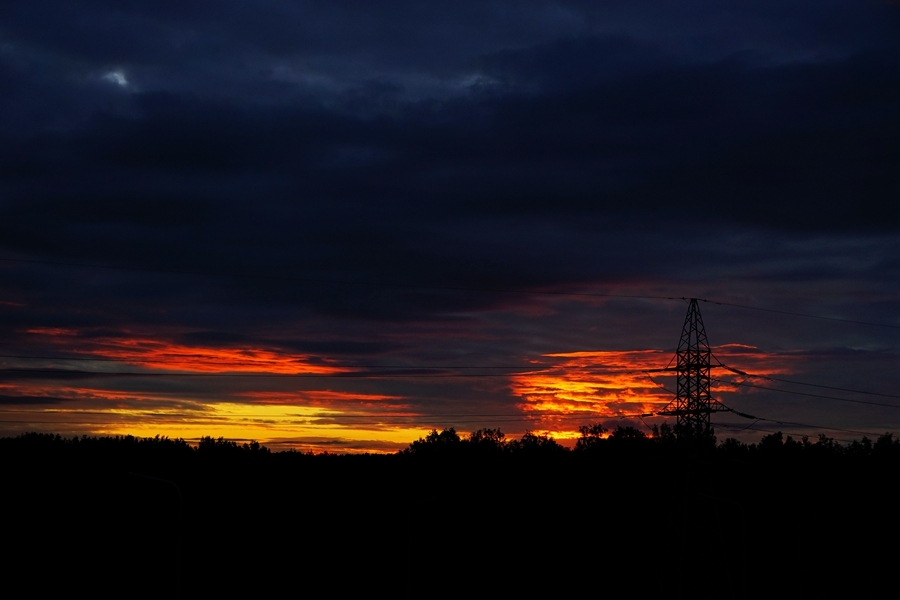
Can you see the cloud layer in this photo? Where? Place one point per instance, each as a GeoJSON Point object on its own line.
{"type": "Point", "coordinates": [333, 183]}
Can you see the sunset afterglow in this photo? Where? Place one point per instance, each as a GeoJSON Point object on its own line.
{"type": "Point", "coordinates": [556, 392]}
{"type": "Point", "coordinates": [156, 354]}
{"type": "Point", "coordinates": [623, 384]}
{"type": "Point", "coordinates": [383, 220]}
{"type": "Point", "coordinates": [377, 298]}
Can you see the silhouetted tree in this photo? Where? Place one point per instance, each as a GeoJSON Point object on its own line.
{"type": "Point", "coordinates": [487, 441]}
{"type": "Point", "coordinates": [771, 443]}
{"type": "Point", "coordinates": [435, 443]}
{"type": "Point", "coordinates": [663, 433]}
{"type": "Point", "coordinates": [828, 444]}
{"type": "Point", "coordinates": [861, 447]}
{"type": "Point", "coordinates": [591, 436]}
{"type": "Point", "coordinates": [536, 445]}
{"type": "Point", "coordinates": [694, 439]}
{"type": "Point", "coordinates": [733, 448]}
{"type": "Point", "coordinates": [886, 445]}
{"type": "Point", "coordinates": [627, 433]}
{"type": "Point", "coordinates": [491, 437]}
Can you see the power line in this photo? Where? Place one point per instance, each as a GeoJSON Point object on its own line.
{"type": "Point", "coordinates": [797, 314]}
{"type": "Point", "coordinates": [520, 370]}
{"type": "Point", "coordinates": [757, 419]}
{"type": "Point", "coordinates": [796, 424]}
{"type": "Point", "coordinates": [750, 425]}
{"type": "Point", "coordinates": [827, 387]}
{"type": "Point", "coordinates": [455, 421]}
{"type": "Point", "coordinates": [796, 393]}
{"type": "Point", "coordinates": [659, 385]}
{"type": "Point", "coordinates": [826, 428]}
{"type": "Point", "coordinates": [357, 375]}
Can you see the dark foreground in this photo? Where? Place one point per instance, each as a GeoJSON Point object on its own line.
{"type": "Point", "coordinates": [636, 517]}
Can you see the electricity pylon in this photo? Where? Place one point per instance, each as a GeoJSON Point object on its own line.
{"type": "Point", "coordinates": [693, 403]}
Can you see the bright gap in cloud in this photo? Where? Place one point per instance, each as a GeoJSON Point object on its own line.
{"type": "Point", "coordinates": [117, 77]}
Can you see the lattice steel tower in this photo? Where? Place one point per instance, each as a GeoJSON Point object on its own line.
{"type": "Point", "coordinates": [693, 403]}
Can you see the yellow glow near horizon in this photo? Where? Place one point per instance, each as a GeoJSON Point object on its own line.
{"type": "Point", "coordinates": [264, 423]}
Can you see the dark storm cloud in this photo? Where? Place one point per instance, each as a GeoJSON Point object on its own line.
{"type": "Point", "coordinates": [312, 347]}
{"type": "Point", "coordinates": [591, 124]}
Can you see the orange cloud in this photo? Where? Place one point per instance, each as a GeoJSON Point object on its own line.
{"type": "Point", "coordinates": [752, 360]}
{"type": "Point", "coordinates": [51, 331]}
{"type": "Point", "coordinates": [560, 392]}
{"type": "Point", "coordinates": [108, 398]}
{"type": "Point", "coordinates": [609, 384]}
{"type": "Point", "coordinates": [292, 418]}
{"type": "Point", "coordinates": [161, 354]}
{"type": "Point", "coordinates": [601, 384]}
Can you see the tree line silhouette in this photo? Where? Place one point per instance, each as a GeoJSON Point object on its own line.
{"type": "Point", "coordinates": [448, 442]}
{"type": "Point", "coordinates": [621, 510]}
{"type": "Point", "coordinates": [597, 438]}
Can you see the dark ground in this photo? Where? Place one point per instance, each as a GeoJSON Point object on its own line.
{"type": "Point", "coordinates": [632, 518]}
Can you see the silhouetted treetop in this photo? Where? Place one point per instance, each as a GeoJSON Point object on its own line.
{"type": "Point", "coordinates": [483, 443]}
{"type": "Point", "coordinates": [627, 433]}
{"type": "Point", "coordinates": [591, 436]}
{"type": "Point", "coordinates": [435, 443]}
{"type": "Point", "coordinates": [480, 443]}
{"type": "Point", "coordinates": [536, 445]}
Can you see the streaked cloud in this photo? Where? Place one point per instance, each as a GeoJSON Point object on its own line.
{"type": "Point", "coordinates": [343, 208]}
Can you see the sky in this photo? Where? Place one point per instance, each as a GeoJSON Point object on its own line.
{"type": "Point", "coordinates": [336, 226]}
